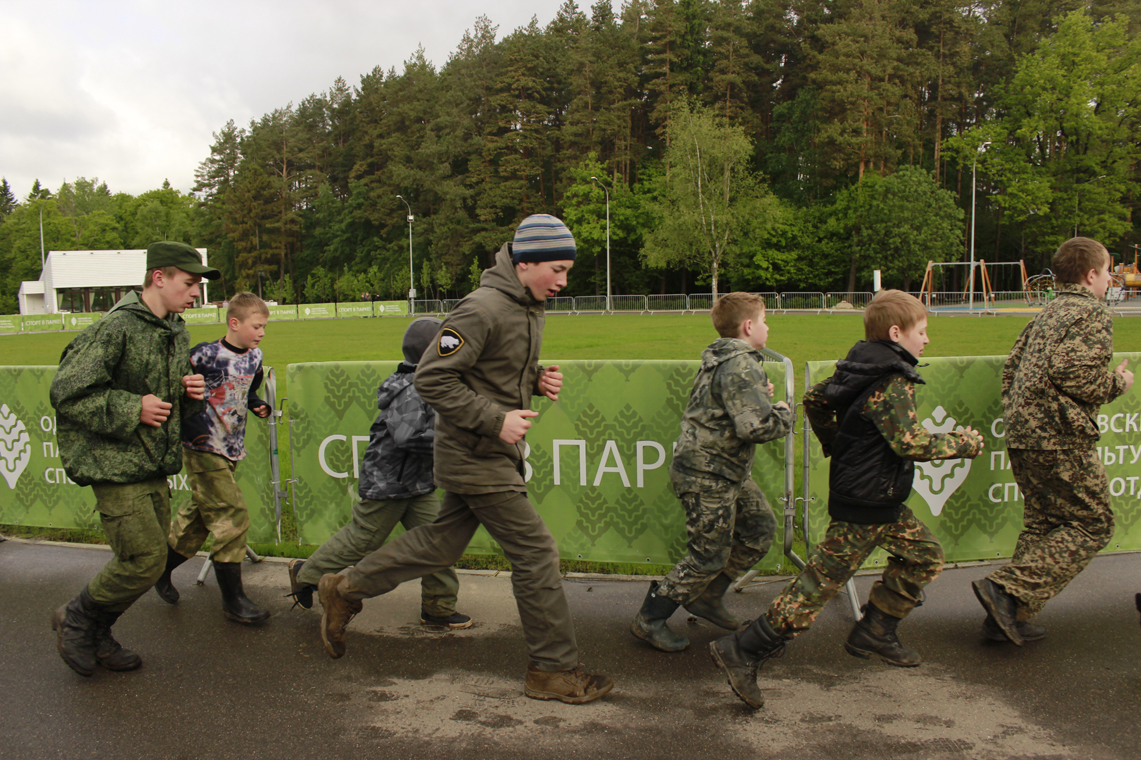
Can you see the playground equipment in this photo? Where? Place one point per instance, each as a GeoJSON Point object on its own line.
{"type": "Point", "coordinates": [933, 292]}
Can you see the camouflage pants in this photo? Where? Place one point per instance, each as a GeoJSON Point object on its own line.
{"type": "Point", "coordinates": [916, 560]}
{"type": "Point", "coordinates": [729, 526]}
{"type": "Point", "coordinates": [1066, 521]}
{"type": "Point", "coordinates": [371, 525]}
{"type": "Point", "coordinates": [134, 518]}
{"type": "Point", "coordinates": [216, 506]}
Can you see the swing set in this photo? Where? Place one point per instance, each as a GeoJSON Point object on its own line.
{"type": "Point", "coordinates": [936, 296]}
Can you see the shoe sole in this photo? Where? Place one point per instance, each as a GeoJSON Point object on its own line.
{"type": "Point", "coordinates": [334, 651]}
{"type": "Point", "coordinates": [1001, 638]}
{"type": "Point", "coordinates": [449, 626]}
{"type": "Point", "coordinates": [641, 634]}
{"type": "Point", "coordinates": [295, 589]}
{"type": "Point", "coordinates": [245, 620]}
{"type": "Point", "coordinates": [989, 606]}
{"type": "Point", "coordinates": [864, 654]}
{"type": "Point", "coordinates": [568, 700]}
{"type": "Point", "coordinates": [716, 657]}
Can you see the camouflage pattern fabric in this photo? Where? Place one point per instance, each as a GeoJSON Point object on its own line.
{"type": "Point", "coordinates": [373, 521]}
{"type": "Point", "coordinates": [1058, 374]}
{"type": "Point", "coordinates": [1067, 521]}
{"type": "Point", "coordinates": [216, 506]}
{"type": "Point", "coordinates": [398, 461]}
{"type": "Point", "coordinates": [730, 528]}
{"type": "Point", "coordinates": [135, 518]}
{"type": "Point", "coordinates": [729, 411]}
{"type": "Point", "coordinates": [916, 560]}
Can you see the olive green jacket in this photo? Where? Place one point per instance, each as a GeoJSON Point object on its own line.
{"type": "Point", "coordinates": [98, 396]}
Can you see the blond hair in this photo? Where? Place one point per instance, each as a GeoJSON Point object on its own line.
{"type": "Point", "coordinates": [1076, 257]}
{"type": "Point", "coordinates": [888, 308]}
{"type": "Point", "coordinates": [732, 309]}
{"type": "Point", "coordinates": [243, 305]}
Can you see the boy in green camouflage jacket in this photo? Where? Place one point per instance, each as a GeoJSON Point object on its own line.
{"type": "Point", "coordinates": [1053, 385]}
{"type": "Point", "coordinates": [118, 396]}
{"type": "Point", "coordinates": [730, 525]}
{"type": "Point", "coordinates": [866, 421]}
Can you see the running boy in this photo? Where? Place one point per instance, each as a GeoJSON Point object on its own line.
{"type": "Point", "coordinates": [730, 525]}
{"type": "Point", "coordinates": [1053, 384]}
{"type": "Point", "coordinates": [214, 441]}
{"type": "Point", "coordinates": [118, 396]}
{"type": "Point", "coordinates": [865, 418]}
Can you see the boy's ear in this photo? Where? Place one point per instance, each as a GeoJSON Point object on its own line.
{"type": "Point", "coordinates": [893, 333]}
{"type": "Point", "coordinates": [233, 323]}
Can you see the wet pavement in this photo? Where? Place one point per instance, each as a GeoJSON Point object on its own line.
{"type": "Point", "coordinates": [210, 688]}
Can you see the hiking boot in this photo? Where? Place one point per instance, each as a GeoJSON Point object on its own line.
{"type": "Point", "coordinates": [1027, 630]}
{"type": "Point", "coordinates": [650, 623]}
{"type": "Point", "coordinates": [875, 634]}
{"type": "Point", "coordinates": [74, 624]}
{"type": "Point", "coordinates": [455, 621]}
{"type": "Point", "coordinates": [336, 613]}
{"type": "Point", "coordinates": [235, 605]}
{"type": "Point", "coordinates": [164, 586]}
{"type": "Point", "coordinates": [741, 655]}
{"type": "Point", "coordinates": [1000, 605]}
{"type": "Point", "coordinates": [302, 593]}
{"type": "Point", "coordinates": [108, 652]}
{"type": "Point", "coordinates": [574, 686]}
{"type": "Point", "coordinates": [711, 606]}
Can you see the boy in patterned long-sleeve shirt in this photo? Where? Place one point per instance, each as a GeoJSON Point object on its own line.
{"type": "Point", "coordinates": [213, 442]}
{"type": "Point", "coordinates": [1053, 384]}
{"type": "Point", "coordinates": [865, 418]}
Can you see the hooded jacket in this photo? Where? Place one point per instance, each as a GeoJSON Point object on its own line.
{"type": "Point", "coordinates": [483, 364]}
{"type": "Point", "coordinates": [398, 461]}
{"type": "Point", "coordinates": [98, 396]}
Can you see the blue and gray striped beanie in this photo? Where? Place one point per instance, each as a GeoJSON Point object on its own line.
{"type": "Point", "coordinates": [542, 237]}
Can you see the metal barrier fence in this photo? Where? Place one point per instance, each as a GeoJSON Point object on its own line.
{"type": "Point", "coordinates": [808, 300]}
{"type": "Point", "coordinates": [846, 301]}
{"type": "Point", "coordinates": [676, 302]}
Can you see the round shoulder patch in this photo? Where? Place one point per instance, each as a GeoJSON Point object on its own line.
{"type": "Point", "coordinates": [449, 342]}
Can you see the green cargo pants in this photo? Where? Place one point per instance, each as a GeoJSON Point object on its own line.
{"type": "Point", "coordinates": [135, 518]}
{"type": "Point", "coordinates": [216, 506]}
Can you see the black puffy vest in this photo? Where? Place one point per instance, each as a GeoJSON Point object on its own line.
{"type": "Point", "coordinates": [868, 482]}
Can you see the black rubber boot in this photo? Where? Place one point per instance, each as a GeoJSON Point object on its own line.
{"type": "Point", "coordinates": [875, 634]}
{"type": "Point", "coordinates": [711, 605]}
{"type": "Point", "coordinates": [108, 652]}
{"type": "Point", "coordinates": [163, 586]}
{"type": "Point", "coordinates": [650, 623]}
{"type": "Point", "coordinates": [1027, 631]}
{"type": "Point", "coordinates": [741, 655]}
{"type": "Point", "coordinates": [235, 605]}
{"type": "Point", "coordinates": [74, 624]}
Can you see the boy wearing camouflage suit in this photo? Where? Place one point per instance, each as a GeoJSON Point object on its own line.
{"type": "Point", "coordinates": [214, 441]}
{"type": "Point", "coordinates": [729, 523]}
{"type": "Point", "coordinates": [865, 418]}
{"type": "Point", "coordinates": [396, 486]}
{"type": "Point", "coordinates": [1053, 384]}
{"type": "Point", "coordinates": [118, 396]}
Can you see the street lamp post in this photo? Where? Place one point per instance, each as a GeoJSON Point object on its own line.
{"type": "Point", "coordinates": [971, 275]}
{"type": "Point", "coordinates": [1077, 198]}
{"type": "Point", "coordinates": [595, 180]}
{"type": "Point", "coordinates": [411, 275]}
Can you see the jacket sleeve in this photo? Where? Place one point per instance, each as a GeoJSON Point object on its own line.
{"type": "Point", "coordinates": [440, 379]}
{"type": "Point", "coordinates": [1079, 366]}
{"type": "Point", "coordinates": [821, 416]}
{"type": "Point", "coordinates": [412, 424]}
{"type": "Point", "coordinates": [892, 410]}
{"type": "Point", "coordinates": [81, 389]}
{"type": "Point", "coordinates": [743, 388]}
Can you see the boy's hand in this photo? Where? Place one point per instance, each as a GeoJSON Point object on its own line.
{"type": "Point", "coordinates": [771, 389]}
{"type": "Point", "coordinates": [970, 434]}
{"type": "Point", "coordinates": [780, 404]}
{"type": "Point", "coordinates": [1122, 372]}
{"type": "Point", "coordinates": [262, 410]}
{"type": "Point", "coordinates": [155, 411]}
{"type": "Point", "coordinates": [515, 425]}
{"type": "Point", "coordinates": [550, 382]}
{"type": "Point", "coordinates": [195, 386]}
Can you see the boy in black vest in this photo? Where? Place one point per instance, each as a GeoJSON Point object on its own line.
{"type": "Point", "coordinates": [865, 418]}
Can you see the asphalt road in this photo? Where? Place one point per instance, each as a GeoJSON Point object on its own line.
{"type": "Point", "coordinates": [210, 688]}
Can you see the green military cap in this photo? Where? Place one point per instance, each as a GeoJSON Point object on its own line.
{"type": "Point", "coordinates": [167, 253]}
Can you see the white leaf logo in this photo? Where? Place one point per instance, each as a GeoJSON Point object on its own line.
{"type": "Point", "coordinates": [935, 481]}
{"type": "Point", "coordinates": [15, 446]}
{"type": "Point", "coordinates": [307, 311]}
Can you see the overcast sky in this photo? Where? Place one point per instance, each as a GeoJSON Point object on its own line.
{"type": "Point", "coordinates": [131, 91]}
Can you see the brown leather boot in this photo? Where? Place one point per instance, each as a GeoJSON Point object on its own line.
{"type": "Point", "coordinates": [336, 613]}
{"type": "Point", "coordinates": [574, 686]}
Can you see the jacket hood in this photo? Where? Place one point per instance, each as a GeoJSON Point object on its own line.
{"type": "Point", "coordinates": [724, 349]}
{"type": "Point", "coordinates": [394, 385]}
{"type": "Point", "coordinates": [502, 277]}
{"type": "Point", "coordinates": [133, 303]}
{"type": "Point", "coordinates": [867, 363]}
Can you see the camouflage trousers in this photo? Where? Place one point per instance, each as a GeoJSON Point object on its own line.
{"type": "Point", "coordinates": [729, 527]}
{"type": "Point", "coordinates": [1066, 521]}
{"type": "Point", "coordinates": [371, 525]}
{"type": "Point", "coordinates": [216, 506]}
{"type": "Point", "coordinates": [916, 559]}
{"type": "Point", "coordinates": [135, 518]}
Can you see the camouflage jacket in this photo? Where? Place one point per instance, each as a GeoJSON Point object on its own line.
{"type": "Point", "coordinates": [865, 418]}
{"type": "Point", "coordinates": [398, 461]}
{"type": "Point", "coordinates": [1058, 374]}
{"type": "Point", "coordinates": [98, 396]}
{"type": "Point", "coordinates": [728, 413]}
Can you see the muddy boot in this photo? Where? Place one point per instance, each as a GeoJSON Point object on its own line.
{"type": "Point", "coordinates": [336, 613]}
{"type": "Point", "coordinates": [235, 605]}
{"type": "Point", "coordinates": [650, 623]}
{"type": "Point", "coordinates": [1027, 630]}
{"type": "Point", "coordinates": [74, 624]}
{"type": "Point", "coordinates": [108, 652]}
{"type": "Point", "coordinates": [741, 655]}
{"type": "Point", "coordinates": [711, 606]}
{"type": "Point", "coordinates": [163, 586]}
{"type": "Point", "coordinates": [574, 686]}
{"type": "Point", "coordinates": [875, 634]}
{"type": "Point", "coordinates": [1000, 606]}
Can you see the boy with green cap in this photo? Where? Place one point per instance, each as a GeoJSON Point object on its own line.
{"type": "Point", "coordinates": [118, 396]}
